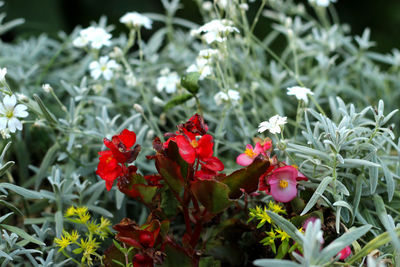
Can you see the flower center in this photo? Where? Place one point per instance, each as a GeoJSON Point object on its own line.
{"type": "Point", "coordinates": [250, 153]}
{"type": "Point", "coordinates": [9, 114]}
{"type": "Point", "coordinates": [283, 183]}
{"type": "Point", "coordinates": [103, 68]}
{"type": "Point", "coordinates": [194, 143]}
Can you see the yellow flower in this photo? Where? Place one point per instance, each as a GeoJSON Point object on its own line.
{"type": "Point", "coordinates": [93, 227]}
{"type": "Point", "coordinates": [63, 242]}
{"type": "Point", "coordinates": [84, 218]}
{"type": "Point", "coordinates": [71, 211]}
{"type": "Point", "coordinates": [301, 230]}
{"type": "Point", "coordinates": [104, 223]}
{"type": "Point", "coordinates": [80, 211]}
{"type": "Point", "coordinates": [282, 234]}
{"type": "Point", "coordinates": [271, 234]}
{"type": "Point", "coordinates": [74, 236]}
{"type": "Point", "coordinates": [276, 208]}
{"type": "Point", "coordinates": [263, 216]}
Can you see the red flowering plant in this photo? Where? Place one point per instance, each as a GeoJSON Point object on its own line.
{"type": "Point", "coordinates": [190, 187]}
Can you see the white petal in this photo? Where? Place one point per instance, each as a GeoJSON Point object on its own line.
{"type": "Point", "coordinates": [107, 74]}
{"type": "Point", "coordinates": [20, 111]}
{"type": "Point", "coordinates": [2, 110]}
{"type": "Point", "coordinates": [12, 124]}
{"type": "Point", "coordinates": [9, 102]}
{"type": "Point", "coordinates": [3, 123]}
{"type": "Point", "coordinates": [94, 65]}
{"type": "Point", "coordinates": [96, 73]}
{"type": "Point", "coordinates": [17, 123]}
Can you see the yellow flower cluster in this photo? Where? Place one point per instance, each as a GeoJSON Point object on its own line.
{"type": "Point", "coordinates": [88, 245]}
{"type": "Point", "coordinates": [262, 215]}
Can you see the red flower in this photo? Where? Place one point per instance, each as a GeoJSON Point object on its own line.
{"type": "Point", "coordinates": [108, 168]}
{"type": "Point", "coordinates": [195, 125]}
{"type": "Point", "coordinates": [120, 146]}
{"type": "Point", "coordinates": [112, 162]}
{"type": "Point", "coordinates": [190, 148]}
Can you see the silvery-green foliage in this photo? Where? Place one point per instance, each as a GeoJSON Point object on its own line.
{"type": "Point", "coordinates": [350, 153]}
{"type": "Point", "coordinates": [311, 241]}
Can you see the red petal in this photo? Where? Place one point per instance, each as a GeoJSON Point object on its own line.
{"type": "Point", "coordinates": [205, 148]}
{"type": "Point", "coordinates": [128, 138]}
{"type": "Point", "coordinates": [205, 174]}
{"type": "Point", "coordinates": [213, 164]}
{"type": "Point", "coordinates": [187, 152]}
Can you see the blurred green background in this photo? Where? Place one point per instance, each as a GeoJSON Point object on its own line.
{"type": "Point", "coordinates": [51, 16]}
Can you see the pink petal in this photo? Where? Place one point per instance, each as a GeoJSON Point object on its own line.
{"type": "Point", "coordinates": [283, 194]}
{"type": "Point", "coordinates": [258, 149]}
{"type": "Point", "coordinates": [344, 253]}
{"type": "Point", "coordinates": [244, 160]}
{"type": "Point", "coordinates": [249, 147]}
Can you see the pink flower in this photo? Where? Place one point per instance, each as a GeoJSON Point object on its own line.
{"type": "Point", "coordinates": [246, 158]}
{"type": "Point", "coordinates": [283, 183]}
{"type": "Point", "coordinates": [344, 253]}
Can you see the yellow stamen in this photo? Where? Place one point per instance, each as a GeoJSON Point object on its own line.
{"type": "Point", "coordinates": [283, 183]}
{"type": "Point", "coordinates": [9, 114]}
{"type": "Point", "coordinates": [250, 153]}
{"type": "Point", "coordinates": [194, 143]}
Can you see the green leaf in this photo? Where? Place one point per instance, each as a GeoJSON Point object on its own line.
{"type": "Point", "coordinates": [170, 172]}
{"type": "Point", "coordinates": [21, 233]}
{"type": "Point", "coordinates": [190, 82]}
{"type": "Point", "coordinates": [212, 194]}
{"type": "Point", "coordinates": [317, 194]}
{"type": "Point", "coordinates": [46, 163]}
{"type": "Point", "coordinates": [177, 101]}
{"type": "Point", "coordinates": [176, 256]}
{"type": "Point", "coordinates": [245, 178]}
{"type": "Point", "coordinates": [209, 262]}
{"type": "Point", "coordinates": [46, 113]}
{"type": "Point", "coordinates": [2, 218]}
{"type": "Point", "coordinates": [169, 204]}
{"type": "Point", "coordinates": [77, 251]}
{"type": "Point", "coordinates": [27, 194]}
{"type": "Point", "coordinates": [5, 167]}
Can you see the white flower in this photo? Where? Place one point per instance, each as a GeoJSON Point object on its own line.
{"type": "Point", "coordinates": [203, 63]}
{"type": "Point", "coordinates": [134, 19]}
{"type": "Point", "coordinates": [216, 30]}
{"type": "Point", "coordinates": [3, 73]}
{"type": "Point", "coordinates": [168, 81]}
{"type": "Point", "coordinates": [323, 3]}
{"type": "Point", "coordinates": [231, 95]}
{"type": "Point", "coordinates": [10, 112]}
{"type": "Point", "coordinates": [273, 125]}
{"type": "Point", "coordinates": [207, 6]}
{"type": "Point", "coordinates": [103, 67]}
{"type": "Point", "coordinates": [96, 37]}
{"type": "Point", "coordinates": [300, 93]}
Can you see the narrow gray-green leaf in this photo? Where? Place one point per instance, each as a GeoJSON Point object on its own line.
{"type": "Point", "coordinates": [340, 243]}
{"type": "Point", "coordinates": [21, 233]}
{"type": "Point", "coordinates": [318, 192]}
{"type": "Point", "coordinates": [286, 226]}
{"type": "Point", "coordinates": [28, 194]}
{"type": "Point", "coordinates": [275, 263]}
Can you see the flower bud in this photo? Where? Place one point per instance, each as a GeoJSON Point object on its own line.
{"type": "Point", "coordinates": [146, 239]}
{"type": "Point", "coordinates": [47, 88]}
{"type": "Point", "coordinates": [138, 108]}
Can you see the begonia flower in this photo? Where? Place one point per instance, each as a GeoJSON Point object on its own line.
{"type": "Point", "coordinates": [344, 253]}
{"type": "Point", "coordinates": [108, 168]}
{"type": "Point", "coordinates": [281, 183]}
{"type": "Point", "coordinates": [249, 155]}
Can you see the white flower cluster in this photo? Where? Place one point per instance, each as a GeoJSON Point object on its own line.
{"type": "Point", "coordinates": [273, 125]}
{"type": "Point", "coordinates": [96, 37]}
{"type": "Point", "coordinates": [168, 81]}
{"type": "Point", "coordinates": [136, 20]}
{"type": "Point", "coordinates": [215, 30]}
{"type": "Point", "coordinates": [203, 63]}
{"type": "Point", "coordinates": [232, 96]}
{"type": "Point", "coordinates": [104, 67]}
